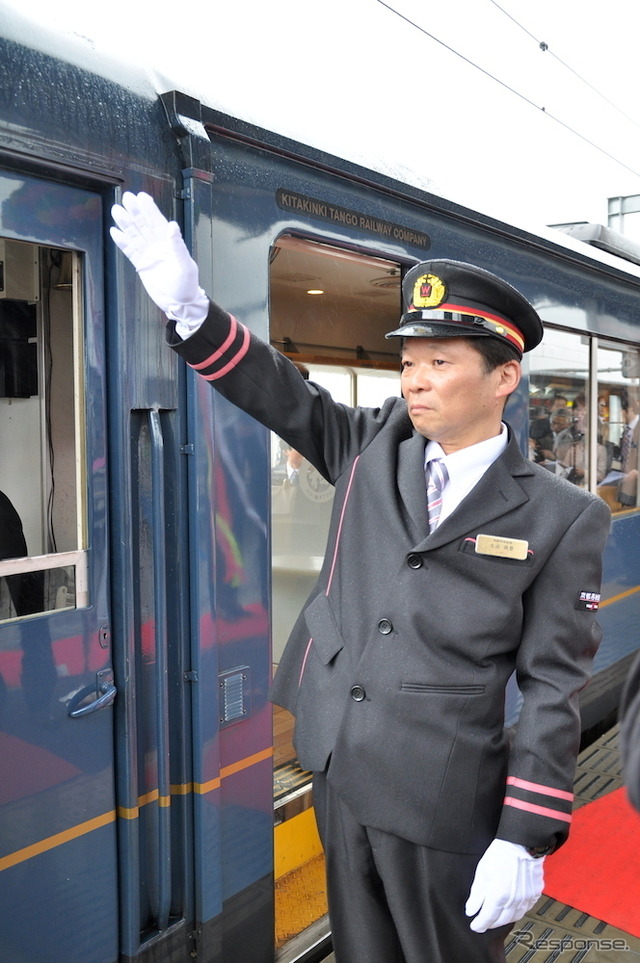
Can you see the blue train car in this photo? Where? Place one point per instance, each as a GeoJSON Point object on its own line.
{"type": "Point", "coordinates": [152, 557]}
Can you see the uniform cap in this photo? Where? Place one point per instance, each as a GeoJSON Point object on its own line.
{"type": "Point", "coordinates": [447, 298]}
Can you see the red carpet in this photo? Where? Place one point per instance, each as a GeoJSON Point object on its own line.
{"type": "Point", "coordinates": [598, 870]}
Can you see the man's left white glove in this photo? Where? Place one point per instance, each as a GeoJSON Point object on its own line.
{"type": "Point", "coordinates": [507, 883]}
{"type": "Point", "coordinates": [157, 251]}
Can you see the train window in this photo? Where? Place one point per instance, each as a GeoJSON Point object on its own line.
{"type": "Point", "coordinates": [559, 422]}
{"type": "Point", "coordinates": [618, 421]}
{"type": "Point", "coordinates": [42, 561]}
{"type": "Point", "coordinates": [371, 386]}
{"type": "Point", "coordinates": [590, 437]}
{"type": "Point", "coordinates": [353, 385]}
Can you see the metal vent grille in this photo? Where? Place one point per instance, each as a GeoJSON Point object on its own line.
{"type": "Point", "coordinates": [235, 695]}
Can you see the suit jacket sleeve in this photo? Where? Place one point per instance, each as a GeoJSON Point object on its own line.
{"type": "Point", "coordinates": [559, 640]}
{"type": "Point", "coordinates": [265, 384]}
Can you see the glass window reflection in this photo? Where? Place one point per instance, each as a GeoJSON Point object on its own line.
{"type": "Point", "coordinates": [603, 455]}
{"type": "Point", "coordinates": [559, 424]}
{"type": "Point", "coordinates": [619, 423]}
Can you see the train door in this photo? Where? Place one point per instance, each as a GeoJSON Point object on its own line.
{"type": "Point", "coordinates": [58, 887]}
{"type": "Point", "coordinates": [329, 310]}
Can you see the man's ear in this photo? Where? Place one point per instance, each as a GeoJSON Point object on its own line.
{"type": "Point", "coordinates": [510, 375]}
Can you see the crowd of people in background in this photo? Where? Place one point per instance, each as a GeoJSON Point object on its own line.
{"type": "Point", "coordinates": [559, 440]}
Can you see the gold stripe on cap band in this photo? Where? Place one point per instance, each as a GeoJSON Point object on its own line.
{"type": "Point", "coordinates": [501, 327]}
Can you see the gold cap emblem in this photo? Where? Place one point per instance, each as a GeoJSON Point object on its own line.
{"type": "Point", "coordinates": [428, 291]}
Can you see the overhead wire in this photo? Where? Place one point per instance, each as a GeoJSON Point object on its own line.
{"type": "Point", "coordinates": [545, 48]}
{"type": "Point", "coordinates": [508, 87]}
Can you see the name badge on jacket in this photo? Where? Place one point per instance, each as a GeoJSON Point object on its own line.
{"type": "Point", "coordinates": [502, 547]}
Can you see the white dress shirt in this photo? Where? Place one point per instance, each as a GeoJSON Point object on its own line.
{"type": "Point", "coordinates": [465, 467]}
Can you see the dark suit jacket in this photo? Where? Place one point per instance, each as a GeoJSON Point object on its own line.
{"type": "Point", "coordinates": [396, 669]}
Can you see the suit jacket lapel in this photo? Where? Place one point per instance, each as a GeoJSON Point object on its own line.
{"type": "Point", "coordinates": [412, 485]}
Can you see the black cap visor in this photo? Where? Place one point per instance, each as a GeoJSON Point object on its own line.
{"type": "Point", "coordinates": [438, 329]}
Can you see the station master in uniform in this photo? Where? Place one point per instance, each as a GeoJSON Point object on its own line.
{"type": "Point", "coordinates": [451, 563]}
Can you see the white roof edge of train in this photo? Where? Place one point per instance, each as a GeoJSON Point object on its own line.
{"type": "Point", "coordinates": [87, 53]}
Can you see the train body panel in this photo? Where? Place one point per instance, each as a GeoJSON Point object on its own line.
{"type": "Point", "coordinates": [139, 828]}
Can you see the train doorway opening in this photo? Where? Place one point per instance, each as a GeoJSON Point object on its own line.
{"type": "Point", "coordinates": [330, 308]}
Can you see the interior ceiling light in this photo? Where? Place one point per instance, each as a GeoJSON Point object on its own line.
{"type": "Point", "coordinates": [315, 291]}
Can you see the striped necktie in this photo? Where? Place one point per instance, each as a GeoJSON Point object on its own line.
{"type": "Point", "coordinates": [437, 478]}
{"type": "Point", "coordinates": [625, 448]}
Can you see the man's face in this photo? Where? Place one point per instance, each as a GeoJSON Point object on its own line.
{"type": "Point", "coordinates": [631, 411]}
{"type": "Point", "coordinates": [294, 458]}
{"type": "Point", "coordinates": [560, 421]}
{"type": "Point", "coordinates": [450, 397]}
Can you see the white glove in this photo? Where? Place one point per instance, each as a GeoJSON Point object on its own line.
{"type": "Point", "coordinates": [507, 883]}
{"type": "Point", "coordinates": [157, 251]}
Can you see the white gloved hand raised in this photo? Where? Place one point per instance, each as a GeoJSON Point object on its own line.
{"type": "Point", "coordinates": [157, 251]}
{"type": "Point", "coordinates": [507, 883]}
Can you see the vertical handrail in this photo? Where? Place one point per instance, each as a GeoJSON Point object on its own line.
{"type": "Point", "coordinates": [163, 899]}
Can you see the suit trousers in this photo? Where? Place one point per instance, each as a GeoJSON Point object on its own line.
{"type": "Point", "coordinates": [392, 901]}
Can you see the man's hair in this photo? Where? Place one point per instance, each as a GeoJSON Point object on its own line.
{"type": "Point", "coordinates": [493, 352]}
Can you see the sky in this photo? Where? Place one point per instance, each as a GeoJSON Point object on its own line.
{"type": "Point", "coordinates": [458, 97]}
